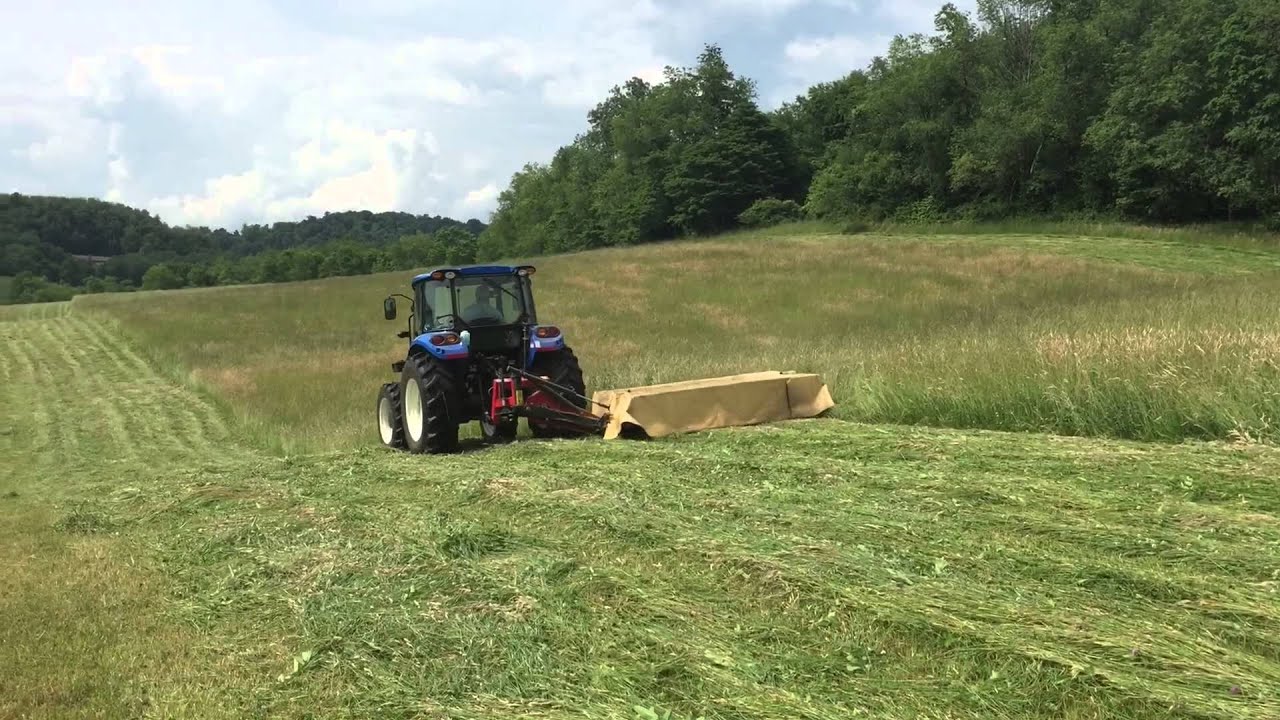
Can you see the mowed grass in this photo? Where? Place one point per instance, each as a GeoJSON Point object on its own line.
{"type": "Point", "coordinates": [86, 628]}
{"type": "Point", "coordinates": [810, 569]}
{"type": "Point", "coordinates": [34, 311]}
{"type": "Point", "coordinates": [1134, 338]}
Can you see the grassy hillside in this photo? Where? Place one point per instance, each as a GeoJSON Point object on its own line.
{"type": "Point", "coordinates": [34, 311]}
{"type": "Point", "coordinates": [817, 569]}
{"type": "Point", "coordinates": [1138, 337]}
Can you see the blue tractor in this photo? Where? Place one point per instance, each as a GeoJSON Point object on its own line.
{"type": "Point", "coordinates": [477, 352]}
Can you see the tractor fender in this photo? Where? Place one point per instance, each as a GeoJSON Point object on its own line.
{"type": "Point", "coordinates": [423, 344]}
{"type": "Point", "coordinates": [542, 345]}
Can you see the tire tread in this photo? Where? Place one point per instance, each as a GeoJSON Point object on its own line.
{"type": "Point", "coordinates": [563, 368]}
{"type": "Point", "coordinates": [392, 392]}
{"type": "Point", "coordinates": [439, 393]}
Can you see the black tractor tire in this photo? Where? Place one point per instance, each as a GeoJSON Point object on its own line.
{"type": "Point", "coordinates": [562, 368]}
{"type": "Point", "coordinates": [429, 392]}
{"type": "Point", "coordinates": [391, 417]}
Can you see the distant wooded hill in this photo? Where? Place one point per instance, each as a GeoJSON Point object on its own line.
{"type": "Point", "coordinates": [56, 246]}
{"type": "Point", "coordinates": [1163, 111]}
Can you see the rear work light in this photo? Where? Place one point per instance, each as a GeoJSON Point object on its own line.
{"type": "Point", "coordinates": [547, 331]}
{"type": "Point", "coordinates": [445, 339]}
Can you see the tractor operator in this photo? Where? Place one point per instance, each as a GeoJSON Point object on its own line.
{"type": "Point", "coordinates": [482, 307]}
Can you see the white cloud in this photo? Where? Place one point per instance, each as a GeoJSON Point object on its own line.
{"type": "Point", "coordinates": [229, 196]}
{"type": "Point", "coordinates": [481, 197]}
{"type": "Point", "coordinates": [66, 142]}
{"type": "Point", "coordinates": [346, 168]}
{"type": "Point", "coordinates": [247, 111]}
{"type": "Point", "coordinates": [912, 16]}
{"type": "Point", "coordinates": [765, 7]}
{"type": "Point", "coordinates": [181, 84]}
{"type": "Point", "coordinates": [258, 115]}
{"type": "Point", "coordinates": [778, 7]}
{"type": "Point", "coordinates": [809, 60]}
{"type": "Point", "coordinates": [842, 52]}
{"type": "Point", "coordinates": [117, 166]}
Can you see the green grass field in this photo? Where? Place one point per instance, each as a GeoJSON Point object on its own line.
{"type": "Point", "coordinates": [167, 559]}
{"type": "Point", "coordinates": [1125, 338]}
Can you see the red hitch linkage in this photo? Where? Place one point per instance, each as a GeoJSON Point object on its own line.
{"type": "Point", "coordinates": [542, 401]}
{"type": "Point", "coordinates": [503, 396]}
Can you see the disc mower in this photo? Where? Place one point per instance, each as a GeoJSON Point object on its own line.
{"type": "Point", "coordinates": [477, 352]}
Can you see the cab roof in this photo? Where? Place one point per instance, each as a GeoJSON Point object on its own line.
{"type": "Point", "coordinates": [470, 270]}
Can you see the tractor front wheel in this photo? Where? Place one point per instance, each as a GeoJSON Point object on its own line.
{"type": "Point", "coordinates": [429, 391]}
{"type": "Point", "coordinates": [390, 420]}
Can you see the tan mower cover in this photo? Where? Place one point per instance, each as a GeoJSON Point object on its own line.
{"type": "Point", "coordinates": [695, 405]}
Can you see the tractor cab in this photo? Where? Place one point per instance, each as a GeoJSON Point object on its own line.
{"type": "Point", "coordinates": [464, 298]}
{"type": "Point", "coordinates": [485, 309]}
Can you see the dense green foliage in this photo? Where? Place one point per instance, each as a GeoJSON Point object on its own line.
{"type": "Point", "coordinates": [1131, 109]}
{"type": "Point", "coordinates": [686, 156]}
{"type": "Point", "coordinates": [771, 211]}
{"type": "Point", "coordinates": [54, 247]}
{"type": "Point", "coordinates": [1163, 112]}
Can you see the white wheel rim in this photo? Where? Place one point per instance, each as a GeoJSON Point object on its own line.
{"type": "Point", "coordinates": [384, 420]}
{"type": "Point", "coordinates": [413, 410]}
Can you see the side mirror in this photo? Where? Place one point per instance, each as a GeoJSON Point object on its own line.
{"type": "Point", "coordinates": [389, 308]}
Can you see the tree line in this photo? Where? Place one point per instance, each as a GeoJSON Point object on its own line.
{"type": "Point", "coordinates": [1161, 111]}
{"type": "Point", "coordinates": [55, 247]}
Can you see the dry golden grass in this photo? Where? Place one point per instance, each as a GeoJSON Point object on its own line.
{"type": "Point", "coordinates": [1257, 348]}
{"type": "Point", "coordinates": [996, 332]}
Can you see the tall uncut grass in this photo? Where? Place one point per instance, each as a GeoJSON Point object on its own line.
{"type": "Point", "coordinates": [1134, 338]}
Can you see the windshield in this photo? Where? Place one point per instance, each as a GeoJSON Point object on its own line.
{"type": "Point", "coordinates": [489, 299]}
{"type": "Point", "coordinates": [481, 300]}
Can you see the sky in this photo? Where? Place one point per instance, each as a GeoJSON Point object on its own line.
{"type": "Point", "coordinates": [232, 112]}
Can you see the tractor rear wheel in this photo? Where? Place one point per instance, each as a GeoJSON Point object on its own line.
{"type": "Point", "coordinates": [429, 391]}
{"type": "Point", "coordinates": [390, 417]}
{"type": "Point", "coordinates": [562, 368]}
